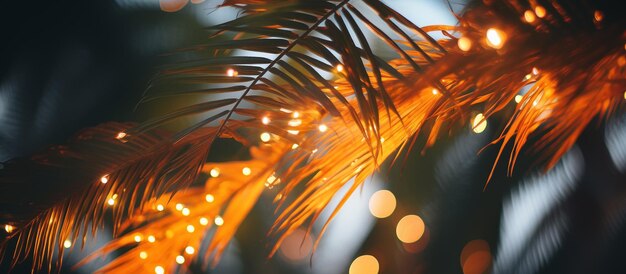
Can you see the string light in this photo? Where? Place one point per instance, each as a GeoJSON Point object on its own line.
{"type": "Point", "coordinates": [189, 250]}
{"type": "Point", "coordinates": [151, 239]}
{"type": "Point", "coordinates": [293, 132]}
{"type": "Point", "coordinates": [295, 114]}
{"type": "Point", "coordinates": [246, 171]}
{"type": "Point", "coordinates": [382, 204]}
{"type": "Point", "coordinates": [219, 221]}
{"type": "Point", "coordinates": [265, 137]}
{"type": "Point", "coordinates": [231, 72]}
{"type": "Point", "coordinates": [529, 16]}
{"type": "Point", "coordinates": [143, 255]}
{"type": "Point", "coordinates": [9, 228]}
{"type": "Point", "coordinates": [535, 71]}
{"type": "Point", "coordinates": [323, 128]}
{"type": "Point", "coordinates": [598, 15]}
{"type": "Point", "coordinates": [204, 221]}
{"type": "Point", "coordinates": [435, 91]}
{"type": "Point", "coordinates": [120, 135]}
{"type": "Point", "coordinates": [191, 228]}
{"type": "Point", "coordinates": [67, 244]}
{"type": "Point", "coordinates": [540, 11]}
{"type": "Point", "coordinates": [410, 229]}
{"type": "Point", "coordinates": [294, 146]}
{"type": "Point", "coordinates": [265, 120]}
{"type": "Point", "coordinates": [313, 151]}
{"type": "Point", "coordinates": [215, 172]}
{"type": "Point", "coordinates": [159, 270]}
{"type": "Point", "coordinates": [464, 44]}
{"type": "Point", "coordinates": [495, 38]}
{"type": "Point", "coordinates": [111, 202]}
{"type": "Point", "coordinates": [294, 122]}
{"type": "Point", "coordinates": [340, 68]}
{"type": "Point", "coordinates": [186, 211]}
{"type": "Point", "coordinates": [479, 123]}
{"type": "Point", "coordinates": [180, 259]}
{"type": "Point", "coordinates": [160, 207]}
{"type": "Point", "coordinates": [179, 207]}
{"type": "Point", "coordinates": [209, 198]}
{"type": "Point", "coordinates": [137, 238]}
{"type": "Point", "coordinates": [104, 179]}
{"type": "Point", "coordinates": [518, 98]}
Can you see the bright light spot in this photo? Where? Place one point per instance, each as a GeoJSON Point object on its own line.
{"type": "Point", "coordinates": [495, 38]}
{"type": "Point", "coordinates": [231, 73]}
{"type": "Point", "coordinates": [159, 270]}
{"type": "Point", "coordinates": [323, 128]}
{"type": "Point", "coordinates": [382, 204]}
{"type": "Point", "coordinates": [314, 151]}
{"type": "Point", "coordinates": [67, 244]}
{"type": "Point", "coordinates": [295, 114]}
{"type": "Point", "coordinates": [204, 221]}
{"type": "Point", "coordinates": [518, 98]}
{"type": "Point", "coordinates": [104, 179]}
{"type": "Point", "coordinates": [160, 207]}
{"type": "Point", "coordinates": [529, 16]}
{"type": "Point", "coordinates": [535, 71]}
{"type": "Point", "coordinates": [209, 198]}
{"type": "Point", "coordinates": [111, 201]}
{"type": "Point", "coordinates": [435, 91]}
{"type": "Point", "coordinates": [219, 221]}
{"type": "Point", "coordinates": [294, 146]}
{"type": "Point", "coordinates": [151, 239]}
{"type": "Point", "coordinates": [179, 207]}
{"type": "Point", "coordinates": [9, 228]}
{"type": "Point", "coordinates": [382, 140]}
{"type": "Point", "coordinates": [410, 229]}
{"type": "Point", "coordinates": [189, 250]}
{"type": "Point", "coordinates": [297, 245]}
{"type": "Point", "coordinates": [365, 264]}
{"type": "Point", "coordinates": [294, 122]}
{"type": "Point", "coordinates": [598, 15]}
{"type": "Point", "coordinates": [540, 11]}
{"type": "Point", "coordinates": [528, 76]}
{"type": "Point", "coordinates": [479, 124]}
{"type": "Point", "coordinates": [265, 137]}
{"type": "Point", "coordinates": [293, 132]}
{"type": "Point", "coordinates": [180, 259]}
{"type": "Point", "coordinates": [191, 228]}
{"type": "Point", "coordinates": [265, 120]}
{"type": "Point", "coordinates": [143, 255]}
{"type": "Point", "coordinates": [137, 238]}
{"type": "Point", "coordinates": [214, 172]}
{"type": "Point", "coordinates": [186, 211]}
{"type": "Point", "coordinates": [464, 43]}
{"type": "Point", "coordinates": [120, 135]}
{"type": "Point", "coordinates": [340, 68]}
{"type": "Point", "coordinates": [475, 257]}
{"type": "Point", "coordinates": [624, 94]}
{"type": "Point", "coordinates": [246, 171]}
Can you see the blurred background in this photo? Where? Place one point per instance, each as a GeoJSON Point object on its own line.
{"type": "Point", "coordinates": [67, 65]}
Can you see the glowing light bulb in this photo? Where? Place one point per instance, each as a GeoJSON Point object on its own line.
{"type": "Point", "coordinates": [322, 128]}
{"type": "Point", "coordinates": [160, 207]}
{"type": "Point", "coordinates": [246, 171]}
{"type": "Point", "coordinates": [265, 120]}
{"type": "Point", "coordinates": [215, 172]}
{"type": "Point", "coordinates": [137, 238]}
{"type": "Point", "coordinates": [265, 137]}
{"type": "Point", "coordinates": [219, 221]}
{"type": "Point", "coordinates": [111, 201]}
{"type": "Point", "coordinates": [340, 68]}
{"type": "Point", "coordinates": [464, 44]}
{"type": "Point", "coordinates": [179, 207]}
{"type": "Point", "coordinates": [313, 151]}
{"type": "Point", "coordinates": [151, 239]}
{"type": "Point", "coordinates": [104, 179]}
{"type": "Point", "coordinates": [67, 244]}
{"type": "Point", "coordinates": [204, 221]}
{"type": "Point", "coordinates": [294, 146]}
{"type": "Point", "coordinates": [231, 73]}
{"type": "Point", "coordinates": [186, 211]}
{"type": "Point", "coordinates": [143, 255]}
{"type": "Point", "coordinates": [189, 250]}
{"type": "Point", "coordinates": [518, 98]}
{"type": "Point", "coordinates": [209, 198]}
{"type": "Point", "coordinates": [495, 38]}
{"type": "Point", "coordinates": [540, 11]}
{"type": "Point", "coordinates": [191, 228]}
{"type": "Point", "coordinates": [529, 16]}
{"type": "Point", "coordinates": [159, 270]}
{"type": "Point", "coordinates": [293, 132]}
{"type": "Point", "coordinates": [180, 259]}
{"type": "Point", "coordinates": [479, 123]}
{"type": "Point", "coordinates": [9, 228]}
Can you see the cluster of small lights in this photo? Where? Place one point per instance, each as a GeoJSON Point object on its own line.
{"type": "Point", "coordinates": [180, 259]}
{"type": "Point", "coordinates": [365, 264]}
{"type": "Point", "coordinates": [9, 228]}
{"type": "Point", "coordinates": [160, 207]}
{"type": "Point", "coordinates": [189, 250]}
{"type": "Point", "coordinates": [185, 211]}
{"type": "Point", "coordinates": [322, 128]}
{"type": "Point", "coordinates": [179, 206]}
{"type": "Point", "coordinates": [246, 171]}
{"type": "Point", "coordinates": [339, 68]}
{"type": "Point", "coordinates": [204, 221]}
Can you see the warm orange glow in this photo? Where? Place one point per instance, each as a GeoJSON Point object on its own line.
{"type": "Point", "coordinates": [215, 172]}
{"type": "Point", "coordinates": [151, 239]}
{"type": "Point", "coordinates": [189, 250]}
{"type": "Point", "coordinates": [297, 245]}
{"type": "Point", "coordinates": [464, 43]}
{"type": "Point", "coordinates": [246, 171]}
{"type": "Point", "coordinates": [475, 257]}
{"type": "Point", "coordinates": [382, 204]}
{"type": "Point", "coordinates": [143, 255]}
{"type": "Point", "coordinates": [410, 229]}
{"type": "Point", "coordinates": [540, 11]}
{"type": "Point", "coordinates": [365, 264]}
{"type": "Point", "coordinates": [598, 15]}
{"type": "Point", "coordinates": [209, 198]}
{"type": "Point", "coordinates": [159, 270]}
{"type": "Point", "coordinates": [529, 16]}
{"type": "Point", "coordinates": [104, 179]}
{"type": "Point", "coordinates": [479, 123]}
{"type": "Point", "coordinates": [186, 211]}
{"type": "Point", "coordinates": [179, 207]}
{"type": "Point", "coordinates": [435, 91]}
{"type": "Point", "coordinates": [340, 68]}
{"type": "Point", "coordinates": [137, 238]}
{"type": "Point", "coordinates": [9, 228]}
{"type": "Point", "coordinates": [191, 228]}
{"type": "Point", "coordinates": [219, 221]}
{"type": "Point", "coordinates": [495, 38]}
{"type": "Point", "coordinates": [180, 259]}
{"type": "Point", "coordinates": [67, 244]}
{"type": "Point", "coordinates": [265, 137]}
{"type": "Point", "coordinates": [231, 73]}
{"type": "Point", "coordinates": [323, 128]}
{"type": "Point", "coordinates": [160, 207]}
{"type": "Point", "coordinates": [204, 221]}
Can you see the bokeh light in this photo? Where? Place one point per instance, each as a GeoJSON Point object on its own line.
{"type": "Point", "coordinates": [479, 123]}
{"type": "Point", "coordinates": [410, 229]}
{"type": "Point", "coordinates": [297, 245]}
{"type": "Point", "coordinates": [382, 203]}
{"type": "Point", "coordinates": [365, 264]}
{"type": "Point", "coordinates": [476, 257]}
